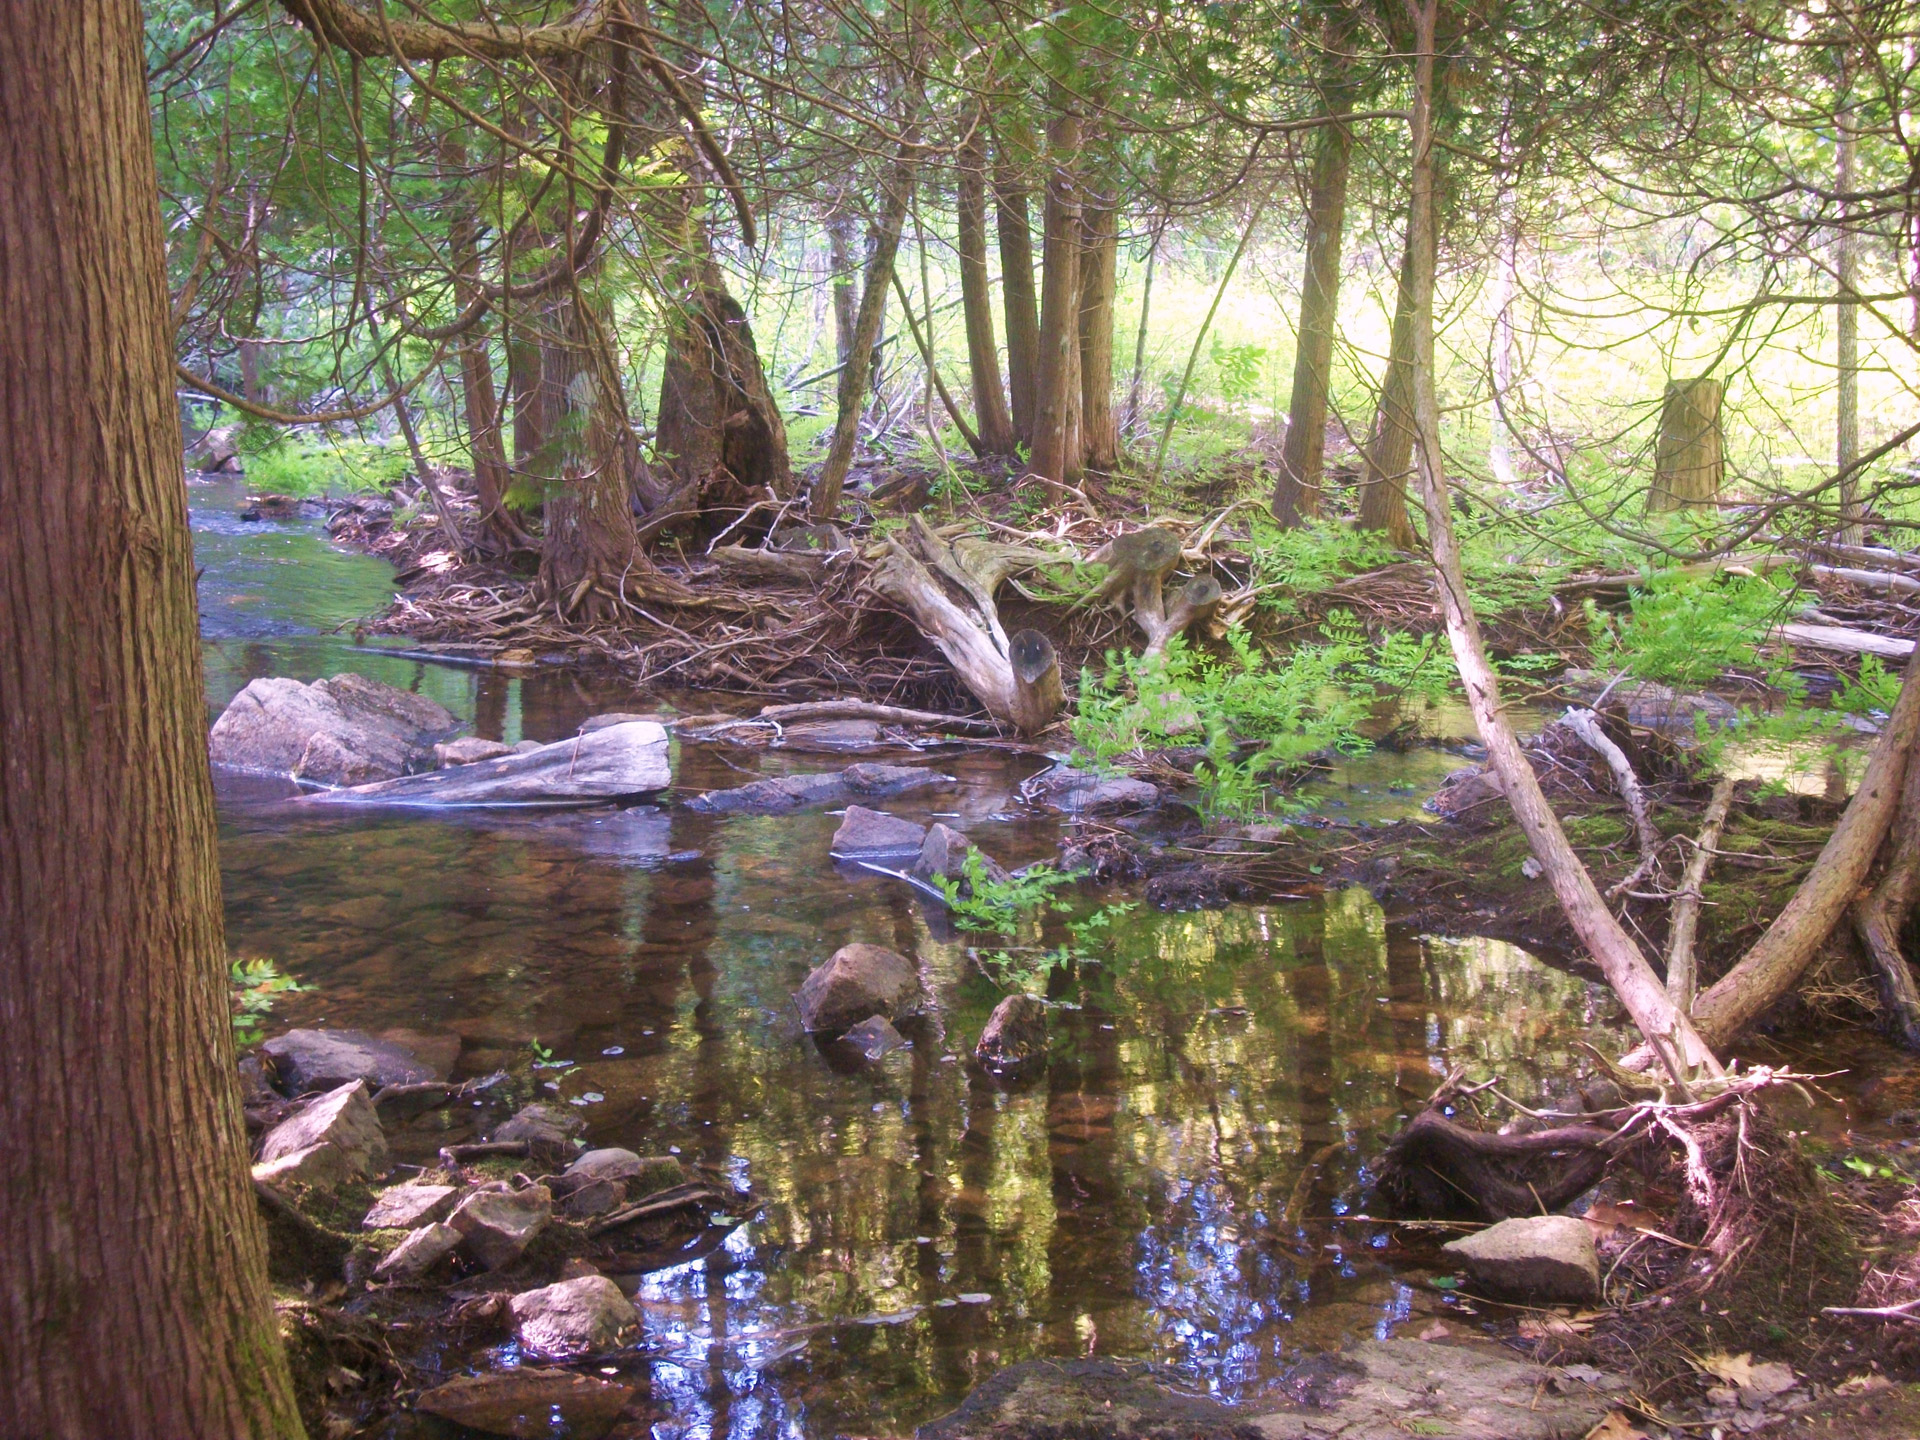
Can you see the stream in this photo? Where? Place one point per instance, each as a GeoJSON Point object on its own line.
{"type": "Point", "coordinates": [1178, 1184]}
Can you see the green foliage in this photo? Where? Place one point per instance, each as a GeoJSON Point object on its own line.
{"type": "Point", "coordinates": [252, 987]}
{"type": "Point", "coordinates": [1237, 369]}
{"type": "Point", "coordinates": [1687, 630]}
{"type": "Point", "coordinates": [1873, 691]}
{"type": "Point", "coordinates": [990, 904]}
{"type": "Point", "coordinates": [1026, 971]}
{"type": "Point", "coordinates": [1310, 558]}
{"type": "Point", "coordinates": [282, 465]}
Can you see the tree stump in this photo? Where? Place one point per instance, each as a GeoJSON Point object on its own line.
{"type": "Point", "coordinates": [1688, 463]}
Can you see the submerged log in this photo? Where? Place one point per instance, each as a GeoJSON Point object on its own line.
{"type": "Point", "coordinates": [615, 762]}
{"type": "Point", "coordinates": [947, 591]}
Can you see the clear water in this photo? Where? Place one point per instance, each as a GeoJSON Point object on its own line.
{"type": "Point", "coordinates": [1178, 1184]}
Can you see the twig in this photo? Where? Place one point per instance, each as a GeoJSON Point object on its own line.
{"type": "Point", "coordinates": [1586, 725]}
{"type": "Point", "coordinates": [1686, 903]}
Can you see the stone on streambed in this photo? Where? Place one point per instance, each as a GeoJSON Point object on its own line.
{"type": "Point", "coordinates": [308, 1060]}
{"type": "Point", "coordinates": [856, 982]}
{"type": "Point", "coordinates": [868, 834]}
{"type": "Point", "coordinates": [344, 730]}
{"type": "Point", "coordinates": [341, 1122]}
{"type": "Point", "coordinates": [618, 762]}
{"type": "Point", "coordinates": [548, 1130]}
{"type": "Point", "coordinates": [416, 1255]}
{"type": "Point", "coordinates": [406, 1206]}
{"type": "Point", "coordinates": [468, 750]}
{"type": "Point", "coordinates": [779, 794]}
{"type": "Point", "coordinates": [496, 1226]}
{"type": "Point", "coordinates": [1545, 1259]}
{"type": "Point", "coordinates": [944, 855]}
{"type": "Point", "coordinates": [643, 1173]}
{"type": "Point", "coordinates": [1016, 1035]}
{"type": "Point", "coordinates": [874, 1037]}
{"type": "Point", "coordinates": [526, 1402]}
{"type": "Point", "coordinates": [577, 1317]}
{"type": "Point", "coordinates": [1081, 792]}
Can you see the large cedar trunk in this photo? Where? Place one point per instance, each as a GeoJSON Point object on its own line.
{"type": "Point", "coordinates": [481, 404]}
{"type": "Point", "coordinates": [135, 1297]}
{"type": "Point", "coordinates": [1099, 427]}
{"type": "Point", "coordinates": [983, 355]}
{"type": "Point", "coordinates": [1296, 493]}
{"type": "Point", "coordinates": [1056, 389]}
{"type": "Point", "coordinates": [1017, 299]}
{"type": "Point", "coordinates": [1389, 453]}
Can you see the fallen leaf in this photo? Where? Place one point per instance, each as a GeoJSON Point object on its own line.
{"type": "Point", "coordinates": [1435, 1331]}
{"type": "Point", "coordinates": [1616, 1427]}
{"type": "Point", "coordinates": [1862, 1384]}
{"type": "Point", "coordinates": [1770, 1377]}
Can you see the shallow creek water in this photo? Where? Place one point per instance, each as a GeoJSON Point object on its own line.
{"type": "Point", "coordinates": [1179, 1184]}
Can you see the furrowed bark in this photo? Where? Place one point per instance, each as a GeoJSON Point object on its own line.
{"type": "Point", "coordinates": [134, 1299]}
{"type": "Point", "coordinates": [1880, 917]}
{"type": "Point", "coordinates": [1679, 1047]}
{"type": "Point", "coordinates": [1056, 390]}
{"type": "Point", "coordinates": [1017, 298]}
{"type": "Point", "coordinates": [1099, 254]}
{"type": "Point", "coordinates": [976, 301]}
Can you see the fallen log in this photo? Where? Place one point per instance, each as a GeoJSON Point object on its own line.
{"type": "Point", "coordinates": [1879, 918]}
{"type": "Point", "coordinates": [868, 710]}
{"type": "Point", "coordinates": [1868, 579]}
{"type": "Point", "coordinates": [947, 592]}
{"type": "Point", "coordinates": [1844, 640]}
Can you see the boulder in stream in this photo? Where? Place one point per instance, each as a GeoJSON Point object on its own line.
{"type": "Point", "coordinates": [778, 794]}
{"type": "Point", "coordinates": [418, 1253]}
{"type": "Point", "coordinates": [1016, 1035]}
{"type": "Point", "coordinates": [874, 1037]}
{"type": "Point", "coordinates": [344, 730]}
{"type": "Point", "coordinates": [868, 834]}
{"type": "Point", "coordinates": [856, 982]}
{"type": "Point", "coordinates": [496, 1226]}
{"type": "Point", "coordinates": [583, 1316]}
{"type": "Point", "coordinates": [1542, 1259]}
{"type": "Point", "coordinates": [468, 750]}
{"type": "Point", "coordinates": [342, 1121]}
{"type": "Point", "coordinates": [526, 1402]}
{"type": "Point", "coordinates": [944, 854]}
{"type": "Point", "coordinates": [1082, 792]}
{"type": "Point", "coordinates": [406, 1207]}
{"type": "Point", "coordinates": [548, 1130]}
{"type": "Point", "coordinates": [308, 1060]}
{"type": "Point", "coordinates": [619, 762]}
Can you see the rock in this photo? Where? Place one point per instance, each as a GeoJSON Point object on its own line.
{"type": "Point", "coordinates": [1042, 1399]}
{"type": "Point", "coordinates": [342, 1118]}
{"type": "Point", "coordinates": [308, 1060]}
{"type": "Point", "coordinates": [1472, 794]}
{"type": "Point", "coordinates": [345, 730]}
{"type": "Point", "coordinates": [318, 1167]}
{"type": "Point", "coordinates": [856, 982]}
{"type": "Point", "coordinates": [596, 1197]}
{"type": "Point", "coordinates": [642, 1174]}
{"type": "Point", "coordinates": [1653, 706]}
{"type": "Point", "coordinates": [417, 1254]}
{"type": "Point", "coordinates": [778, 794]}
{"type": "Point", "coordinates": [867, 832]}
{"type": "Point", "coordinates": [406, 1206]}
{"type": "Point", "coordinates": [526, 1402]}
{"type": "Point", "coordinates": [1016, 1034]}
{"type": "Point", "coordinates": [601, 722]}
{"type": "Point", "coordinates": [467, 750]}
{"type": "Point", "coordinates": [527, 747]}
{"type": "Point", "coordinates": [874, 1037]}
{"type": "Point", "coordinates": [548, 1129]}
{"type": "Point", "coordinates": [1545, 1259]}
{"type": "Point", "coordinates": [496, 1226]}
{"type": "Point", "coordinates": [944, 853]}
{"type": "Point", "coordinates": [216, 452]}
{"type": "Point", "coordinates": [1080, 792]}
{"type": "Point", "coordinates": [574, 1317]}
{"type": "Point", "coordinates": [616, 763]}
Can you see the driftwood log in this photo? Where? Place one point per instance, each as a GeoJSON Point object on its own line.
{"type": "Point", "coordinates": [947, 591]}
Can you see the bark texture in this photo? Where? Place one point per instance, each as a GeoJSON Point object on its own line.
{"type": "Point", "coordinates": [133, 1290]}
{"type": "Point", "coordinates": [1017, 299]}
{"type": "Point", "coordinates": [1688, 464]}
{"type": "Point", "coordinates": [994, 421]}
{"type": "Point", "coordinates": [1389, 454]}
{"type": "Point", "coordinates": [1056, 391]}
{"type": "Point", "coordinates": [1099, 257]}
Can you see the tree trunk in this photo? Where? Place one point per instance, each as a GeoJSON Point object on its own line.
{"type": "Point", "coordinates": [480, 403]}
{"type": "Point", "coordinates": [1389, 454]}
{"type": "Point", "coordinates": [840, 261]}
{"type": "Point", "coordinates": [992, 420]}
{"type": "Point", "coordinates": [1099, 257]}
{"type": "Point", "coordinates": [1140, 335]}
{"type": "Point", "coordinates": [1688, 465]}
{"type": "Point", "coordinates": [1847, 340]}
{"type": "Point", "coordinates": [1296, 492]}
{"type": "Point", "coordinates": [1612, 949]}
{"type": "Point", "coordinates": [1055, 391]}
{"type": "Point", "coordinates": [1017, 299]}
{"type": "Point", "coordinates": [855, 374]}
{"type": "Point", "coordinates": [1879, 919]}
{"type": "Point", "coordinates": [135, 1300]}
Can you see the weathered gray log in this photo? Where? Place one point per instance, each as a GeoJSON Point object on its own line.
{"type": "Point", "coordinates": [947, 592]}
{"type": "Point", "coordinates": [1844, 640]}
{"type": "Point", "coordinates": [778, 794]}
{"type": "Point", "coordinates": [1688, 463]}
{"type": "Point", "coordinates": [617, 762]}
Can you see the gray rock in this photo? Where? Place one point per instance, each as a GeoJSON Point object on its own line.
{"type": "Point", "coordinates": [308, 1060]}
{"type": "Point", "coordinates": [574, 1317]}
{"type": "Point", "coordinates": [944, 853]}
{"type": "Point", "coordinates": [619, 717]}
{"type": "Point", "coordinates": [596, 1197]}
{"type": "Point", "coordinates": [548, 1129]}
{"type": "Point", "coordinates": [779, 794]}
{"type": "Point", "coordinates": [527, 747]}
{"type": "Point", "coordinates": [1653, 706]}
{"type": "Point", "coordinates": [318, 1167]}
{"type": "Point", "coordinates": [1080, 792]}
{"type": "Point", "coordinates": [864, 833]}
{"type": "Point", "coordinates": [616, 763]}
{"type": "Point", "coordinates": [874, 1037]}
{"type": "Point", "coordinates": [856, 982]}
{"type": "Point", "coordinates": [642, 1174]}
{"type": "Point", "coordinates": [405, 1207]}
{"type": "Point", "coordinates": [1547, 1259]}
{"type": "Point", "coordinates": [345, 730]}
{"type": "Point", "coordinates": [1016, 1034]}
{"type": "Point", "coordinates": [342, 1118]}
{"type": "Point", "coordinates": [496, 1226]}
{"type": "Point", "coordinates": [529, 1403]}
{"type": "Point", "coordinates": [1111, 1399]}
{"type": "Point", "coordinates": [467, 750]}
{"type": "Point", "coordinates": [1472, 793]}
{"type": "Point", "coordinates": [418, 1253]}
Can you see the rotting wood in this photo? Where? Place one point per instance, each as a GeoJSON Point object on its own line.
{"type": "Point", "coordinates": [770, 564]}
{"type": "Point", "coordinates": [1685, 917]}
{"type": "Point", "coordinates": [947, 591]}
{"type": "Point", "coordinates": [1586, 725]}
{"type": "Point", "coordinates": [868, 710]}
{"type": "Point", "coordinates": [1139, 563]}
{"type": "Point", "coordinates": [1844, 640]}
{"type": "Point", "coordinates": [1879, 918]}
{"type": "Point", "coordinates": [1688, 461]}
